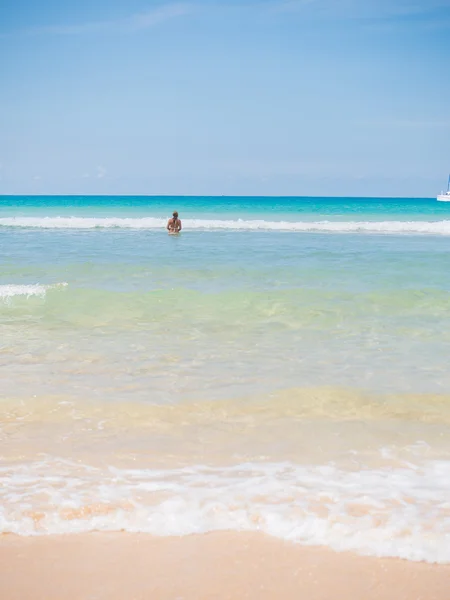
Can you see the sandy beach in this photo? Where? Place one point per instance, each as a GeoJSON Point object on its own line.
{"type": "Point", "coordinates": [120, 566]}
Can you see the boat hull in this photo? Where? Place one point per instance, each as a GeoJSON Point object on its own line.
{"type": "Point", "coordinates": [444, 197]}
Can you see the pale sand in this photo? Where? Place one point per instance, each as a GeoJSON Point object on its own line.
{"type": "Point", "coordinates": [199, 567]}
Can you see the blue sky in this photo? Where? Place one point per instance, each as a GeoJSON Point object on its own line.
{"type": "Point", "coordinates": [295, 97]}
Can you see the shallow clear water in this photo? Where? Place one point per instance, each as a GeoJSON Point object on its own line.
{"type": "Point", "coordinates": [305, 337]}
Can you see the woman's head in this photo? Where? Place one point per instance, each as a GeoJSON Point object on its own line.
{"type": "Point", "coordinates": [175, 214]}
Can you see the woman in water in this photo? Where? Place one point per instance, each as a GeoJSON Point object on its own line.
{"type": "Point", "coordinates": [174, 224]}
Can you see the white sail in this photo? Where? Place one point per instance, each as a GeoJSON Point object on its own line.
{"type": "Point", "coordinates": [445, 196]}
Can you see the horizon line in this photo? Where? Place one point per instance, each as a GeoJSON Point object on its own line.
{"type": "Point", "coordinates": [206, 196]}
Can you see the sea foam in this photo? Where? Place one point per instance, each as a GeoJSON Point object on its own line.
{"type": "Point", "coordinates": [393, 512]}
{"type": "Point", "coordinates": [382, 227]}
{"type": "Point", "coordinates": [10, 290]}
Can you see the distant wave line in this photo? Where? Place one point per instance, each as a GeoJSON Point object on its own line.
{"type": "Point", "coordinates": [153, 223]}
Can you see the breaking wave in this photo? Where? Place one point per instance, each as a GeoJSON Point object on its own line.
{"type": "Point", "coordinates": [10, 290]}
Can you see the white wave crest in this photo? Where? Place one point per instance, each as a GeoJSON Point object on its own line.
{"type": "Point", "coordinates": [397, 512]}
{"type": "Point", "coordinates": [11, 290]}
{"type": "Point", "coordinates": [385, 227]}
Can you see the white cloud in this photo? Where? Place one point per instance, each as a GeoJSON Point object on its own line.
{"type": "Point", "coordinates": [101, 172]}
{"type": "Point", "coordinates": [424, 124]}
{"type": "Point", "coordinates": [130, 24]}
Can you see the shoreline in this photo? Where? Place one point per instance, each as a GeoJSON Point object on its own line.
{"type": "Point", "coordinates": [220, 566]}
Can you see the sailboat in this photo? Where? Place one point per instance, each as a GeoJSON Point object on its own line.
{"type": "Point", "coordinates": [445, 196]}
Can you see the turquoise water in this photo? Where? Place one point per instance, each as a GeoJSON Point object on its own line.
{"type": "Point", "coordinates": [268, 208]}
{"type": "Point", "coordinates": [360, 308]}
{"type": "Point", "coordinates": [288, 331]}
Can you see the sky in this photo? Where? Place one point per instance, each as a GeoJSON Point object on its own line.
{"type": "Point", "coordinates": [210, 97]}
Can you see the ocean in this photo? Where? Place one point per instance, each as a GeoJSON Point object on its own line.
{"type": "Point", "coordinates": [281, 366]}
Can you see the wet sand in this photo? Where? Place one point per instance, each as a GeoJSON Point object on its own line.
{"type": "Point", "coordinates": [219, 566]}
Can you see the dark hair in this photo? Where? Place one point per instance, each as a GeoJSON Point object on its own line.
{"type": "Point", "coordinates": [175, 214]}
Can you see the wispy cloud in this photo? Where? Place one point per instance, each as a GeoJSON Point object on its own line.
{"type": "Point", "coordinates": [129, 24]}
{"type": "Point", "coordinates": [411, 123]}
{"type": "Point", "coordinates": [364, 9]}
